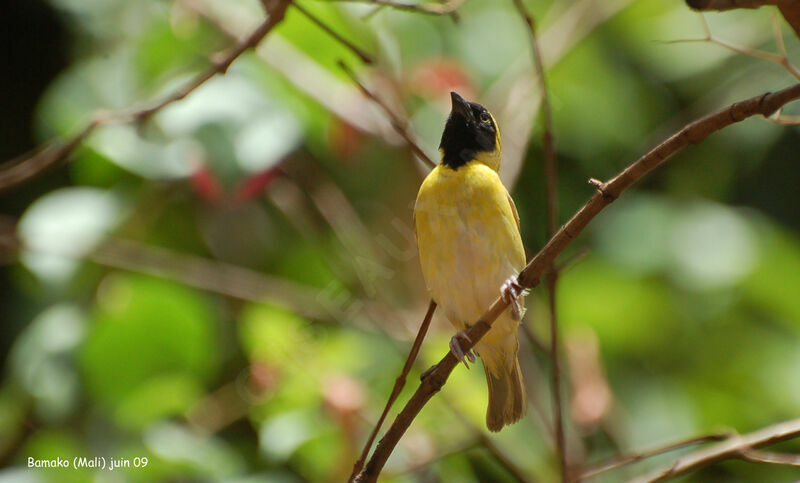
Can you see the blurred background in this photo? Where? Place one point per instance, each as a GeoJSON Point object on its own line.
{"type": "Point", "coordinates": [230, 287]}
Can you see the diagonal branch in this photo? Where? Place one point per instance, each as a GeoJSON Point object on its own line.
{"type": "Point", "coordinates": [276, 10]}
{"type": "Point", "coordinates": [769, 457]}
{"type": "Point", "coordinates": [57, 152]}
{"type": "Point", "coordinates": [51, 155]}
{"type": "Point", "coordinates": [366, 58]}
{"type": "Point", "coordinates": [442, 8]}
{"type": "Point", "coordinates": [398, 124]}
{"type": "Point", "coordinates": [399, 383]}
{"type": "Point", "coordinates": [781, 59]}
{"type": "Point", "coordinates": [785, 120]}
{"type": "Point", "coordinates": [790, 9]}
{"type": "Point", "coordinates": [733, 447]}
{"type": "Point", "coordinates": [627, 459]}
{"type": "Point", "coordinates": [693, 133]}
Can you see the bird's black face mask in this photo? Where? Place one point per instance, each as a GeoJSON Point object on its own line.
{"type": "Point", "coordinates": [469, 130]}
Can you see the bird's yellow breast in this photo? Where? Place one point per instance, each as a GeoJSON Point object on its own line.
{"type": "Point", "coordinates": [469, 241]}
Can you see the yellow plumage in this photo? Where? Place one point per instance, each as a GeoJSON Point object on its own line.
{"type": "Point", "coordinates": [469, 245]}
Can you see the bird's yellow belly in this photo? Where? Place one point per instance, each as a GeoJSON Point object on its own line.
{"type": "Point", "coordinates": [469, 244]}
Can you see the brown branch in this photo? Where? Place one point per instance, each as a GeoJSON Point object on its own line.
{"type": "Point", "coordinates": [367, 59]}
{"type": "Point", "coordinates": [444, 8]}
{"type": "Point", "coordinates": [479, 437]}
{"type": "Point", "coordinates": [551, 177]}
{"type": "Point", "coordinates": [56, 153]}
{"type": "Point", "coordinates": [693, 133]}
{"type": "Point", "coordinates": [732, 447]}
{"type": "Point", "coordinates": [791, 12]}
{"type": "Point", "coordinates": [317, 82]}
{"type": "Point", "coordinates": [551, 168]}
{"type": "Point", "coordinates": [722, 5]}
{"type": "Point", "coordinates": [399, 383]}
{"type": "Point", "coordinates": [790, 9]}
{"type": "Point", "coordinates": [276, 10]}
{"type": "Point", "coordinates": [785, 120]}
{"type": "Point", "coordinates": [627, 459]}
{"type": "Point", "coordinates": [781, 58]}
{"type": "Point", "coordinates": [46, 158]}
{"type": "Point", "coordinates": [769, 457]}
{"type": "Point", "coordinates": [398, 124]}
{"type": "Point", "coordinates": [211, 275]}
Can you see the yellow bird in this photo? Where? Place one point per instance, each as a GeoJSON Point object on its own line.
{"type": "Point", "coordinates": [470, 248]}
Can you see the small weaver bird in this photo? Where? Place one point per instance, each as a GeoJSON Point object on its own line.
{"type": "Point", "coordinates": [470, 247]}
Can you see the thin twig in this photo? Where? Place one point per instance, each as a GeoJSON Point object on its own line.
{"type": "Point", "coordinates": [781, 59]}
{"type": "Point", "coordinates": [444, 8]}
{"type": "Point", "coordinates": [785, 120]}
{"type": "Point", "coordinates": [733, 447]}
{"type": "Point", "coordinates": [57, 153]}
{"type": "Point", "coordinates": [627, 459]}
{"type": "Point", "coordinates": [571, 261]}
{"type": "Point", "coordinates": [693, 133]}
{"type": "Point", "coordinates": [776, 28]}
{"type": "Point", "coordinates": [399, 383]}
{"type": "Point", "coordinates": [398, 124]}
{"type": "Point", "coordinates": [211, 275]}
{"type": "Point", "coordinates": [769, 457]}
{"type": "Point", "coordinates": [790, 9]}
{"type": "Point", "coordinates": [372, 12]}
{"type": "Point", "coordinates": [333, 93]}
{"type": "Point", "coordinates": [479, 438]}
{"type": "Point", "coordinates": [366, 58]}
{"type": "Point", "coordinates": [43, 160]}
{"type": "Point", "coordinates": [551, 168]}
{"type": "Point", "coordinates": [276, 10]}
{"type": "Point", "coordinates": [478, 435]}
{"type": "Point", "coordinates": [551, 177]}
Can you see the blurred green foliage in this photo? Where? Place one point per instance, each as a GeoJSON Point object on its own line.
{"type": "Point", "coordinates": [269, 354]}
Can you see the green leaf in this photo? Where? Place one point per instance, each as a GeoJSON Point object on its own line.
{"type": "Point", "coordinates": [50, 444]}
{"type": "Point", "coordinates": [628, 313]}
{"type": "Point", "coordinates": [63, 226]}
{"type": "Point", "coordinates": [206, 456]}
{"type": "Point", "coordinates": [272, 334]}
{"type": "Point", "coordinates": [157, 398]}
{"type": "Point", "coordinates": [144, 329]}
{"type": "Point", "coordinates": [771, 286]}
{"type": "Point", "coordinates": [40, 360]}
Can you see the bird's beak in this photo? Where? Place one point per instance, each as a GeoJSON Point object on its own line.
{"type": "Point", "coordinates": [460, 106]}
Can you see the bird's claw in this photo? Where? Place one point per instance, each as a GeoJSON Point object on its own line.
{"type": "Point", "coordinates": [511, 291]}
{"type": "Point", "coordinates": [455, 348]}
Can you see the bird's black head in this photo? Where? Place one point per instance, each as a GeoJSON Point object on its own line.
{"type": "Point", "coordinates": [469, 134]}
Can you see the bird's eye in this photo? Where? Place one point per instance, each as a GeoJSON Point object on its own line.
{"type": "Point", "coordinates": [484, 116]}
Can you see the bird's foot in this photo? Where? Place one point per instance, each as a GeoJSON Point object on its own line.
{"type": "Point", "coordinates": [511, 291]}
{"type": "Point", "coordinates": [455, 348]}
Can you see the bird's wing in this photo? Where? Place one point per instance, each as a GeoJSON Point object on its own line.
{"type": "Point", "coordinates": [513, 210]}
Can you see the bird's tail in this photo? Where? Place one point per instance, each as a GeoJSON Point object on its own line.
{"type": "Point", "coordinates": [507, 399]}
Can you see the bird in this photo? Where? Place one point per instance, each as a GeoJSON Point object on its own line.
{"type": "Point", "coordinates": [470, 247]}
